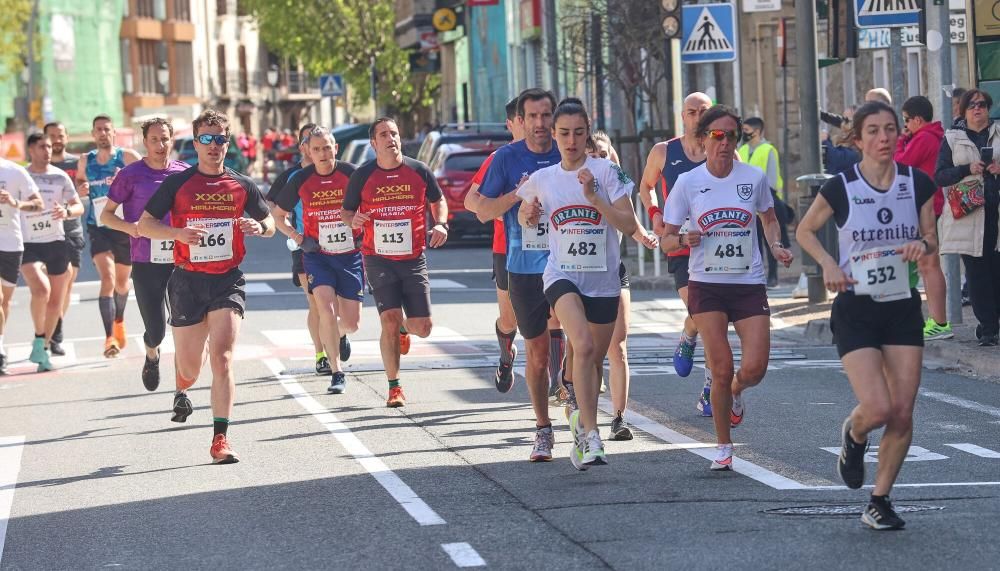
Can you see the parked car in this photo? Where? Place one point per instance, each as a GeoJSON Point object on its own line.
{"type": "Point", "coordinates": [453, 166]}
{"type": "Point", "coordinates": [345, 134]}
{"type": "Point", "coordinates": [468, 133]}
{"type": "Point", "coordinates": [358, 152]}
{"type": "Point", "coordinates": [183, 150]}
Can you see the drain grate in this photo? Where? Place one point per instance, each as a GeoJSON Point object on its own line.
{"type": "Point", "coordinates": [844, 510]}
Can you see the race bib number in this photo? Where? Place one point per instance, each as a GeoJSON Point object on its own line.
{"type": "Point", "coordinates": [728, 250]}
{"type": "Point", "coordinates": [583, 249]}
{"type": "Point", "coordinates": [217, 244]}
{"type": "Point", "coordinates": [161, 251]}
{"type": "Point", "coordinates": [881, 273]}
{"type": "Point", "coordinates": [7, 214]}
{"type": "Point", "coordinates": [537, 238]}
{"type": "Point", "coordinates": [394, 237]}
{"type": "Point", "coordinates": [41, 227]}
{"type": "Point", "coordinates": [335, 238]}
{"type": "Point", "coordinates": [99, 204]}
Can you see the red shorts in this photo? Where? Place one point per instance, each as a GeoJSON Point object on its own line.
{"type": "Point", "coordinates": [737, 301]}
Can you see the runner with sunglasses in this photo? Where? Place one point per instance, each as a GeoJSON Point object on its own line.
{"type": "Point", "coordinates": [206, 293]}
{"type": "Point", "coordinates": [723, 199]}
{"type": "Point", "coordinates": [666, 162]}
{"type": "Point", "coordinates": [152, 260]}
{"type": "Point", "coordinates": [331, 257]}
{"type": "Point", "coordinates": [884, 213]}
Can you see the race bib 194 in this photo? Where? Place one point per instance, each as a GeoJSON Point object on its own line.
{"type": "Point", "coordinates": [881, 273]}
{"type": "Point", "coordinates": [41, 227]}
{"type": "Point", "coordinates": [728, 250]}
{"type": "Point", "coordinates": [335, 237]}
{"type": "Point", "coordinates": [217, 243]}
{"type": "Point", "coordinates": [583, 249]}
{"type": "Point", "coordinates": [393, 237]}
{"type": "Point", "coordinates": [161, 251]}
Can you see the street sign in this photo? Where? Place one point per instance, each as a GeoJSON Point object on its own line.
{"type": "Point", "coordinates": [750, 6]}
{"type": "Point", "coordinates": [886, 13]}
{"type": "Point", "coordinates": [331, 85]}
{"type": "Point", "coordinates": [879, 38]}
{"type": "Point", "coordinates": [444, 20]}
{"type": "Point", "coordinates": [709, 33]}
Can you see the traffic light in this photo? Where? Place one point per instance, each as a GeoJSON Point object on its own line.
{"type": "Point", "coordinates": [671, 10]}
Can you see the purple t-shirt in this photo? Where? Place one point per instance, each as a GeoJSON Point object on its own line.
{"type": "Point", "coordinates": [132, 188]}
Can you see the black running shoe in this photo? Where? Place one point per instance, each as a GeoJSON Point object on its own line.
{"type": "Point", "coordinates": [505, 373]}
{"type": "Point", "coordinates": [56, 348]}
{"type": "Point", "coordinates": [3, 364]}
{"type": "Point", "coordinates": [879, 515]}
{"type": "Point", "coordinates": [182, 408]}
{"type": "Point", "coordinates": [989, 340]}
{"type": "Point", "coordinates": [851, 463]}
{"type": "Point", "coordinates": [345, 348]}
{"type": "Point", "coordinates": [338, 384]}
{"type": "Point", "coordinates": [151, 374]}
{"type": "Point", "coordinates": [620, 429]}
{"type": "Point", "coordinates": [323, 366]}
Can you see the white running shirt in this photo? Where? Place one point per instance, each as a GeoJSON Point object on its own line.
{"type": "Point", "coordinates": [583, 245]}
{"type": "Point", "coordinates": [725, 210]}
{"type": "Point", "coordinates": [56, 188]}
{"type": "Point", "coordinates": [15, 180]}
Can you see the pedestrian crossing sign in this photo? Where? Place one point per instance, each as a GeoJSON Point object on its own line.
{"type": "Point", "coordinates": [709, 33]}
{"type": "Point", "coordinates": [887, 13]}
{"type": "Point", "coordinates": [331, 85]}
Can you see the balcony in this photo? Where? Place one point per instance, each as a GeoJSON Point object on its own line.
{"type": "Point", "coordinates": [292, 86]}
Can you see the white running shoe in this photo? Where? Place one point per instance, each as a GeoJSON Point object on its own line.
{"type": "Point", "coordinates": [724, 458]}
{"type": "Point", "coordinates": [542, 451]}
{"type": "Point", "coordinates": [593, 454]}
{"type": "Point", "coordinates": [579, 441]}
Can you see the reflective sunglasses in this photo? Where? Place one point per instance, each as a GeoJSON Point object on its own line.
{"type": "Point", "coordinates": [209, 139]}
{"type": "Point", "coordinates": [979, 105]}
{"type": "Point", "coordinates": [719, 134]}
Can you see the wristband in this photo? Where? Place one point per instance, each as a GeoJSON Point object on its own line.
{"type": "Point", "coordinates": [263, 227]}
{"type": "Point", "coordinates": [653, 210]}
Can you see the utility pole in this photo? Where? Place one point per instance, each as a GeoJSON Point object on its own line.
{"type": "Point", "coordinates": [898, 60]}
{"type": "Point", "coordinates": [30, 96]}
{"type": "Point", "coordinates": [551, 47]}
{"type": "Point", "coordinates": [808, 72]}
{"type": "Point", "coordinates": [597, 56]}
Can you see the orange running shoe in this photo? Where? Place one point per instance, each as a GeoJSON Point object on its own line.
{"type": "Point", "coordinates": [396, 398]}
{"type": "Point", "coordinates": [111, 348]}
{"type": "Point", "coordinates": [404, 342]}
{"type": "Point", "coordinates": [221, 452]}
{"type": "Point", "coordinates": [118, 332]}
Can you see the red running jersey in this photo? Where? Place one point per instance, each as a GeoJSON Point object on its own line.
{"type": "Point", "coordinates": [322, 197]}
{"type": "Point", "coordinates": [499, 236]}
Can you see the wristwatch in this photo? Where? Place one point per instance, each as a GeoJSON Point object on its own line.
{"type": "Point", "coordinates": [778, 244]}
{"type": "Point", "coordinates": [443, 225]}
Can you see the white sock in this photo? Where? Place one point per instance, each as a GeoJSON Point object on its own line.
{"type": "Point", "coordinates": [708, 378]}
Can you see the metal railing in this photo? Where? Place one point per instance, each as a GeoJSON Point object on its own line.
{"type": "Point", "coordinates": [237, 83]}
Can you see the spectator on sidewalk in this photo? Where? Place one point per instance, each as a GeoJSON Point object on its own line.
{"type": "Point", "coordinates": [919, 147]}
{"type": "Point", "coordinates": [956, 101]}
{"type": "Point", "coordinates": [758, 152]}
{"type": "Point", "coordinates": [974, 234]}
{"type": "Point", "coordinates": [879, 94]}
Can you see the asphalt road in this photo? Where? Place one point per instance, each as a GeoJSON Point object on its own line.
{"type": "Point", "coordinates": [93, 474]}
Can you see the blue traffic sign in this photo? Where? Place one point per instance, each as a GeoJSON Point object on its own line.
{"type": "Point", "coordinates": [709, 33]}
{"type": "Point", "coordinates": [331, 85]}
{"type": "Point", "coordinates": [886, 13]}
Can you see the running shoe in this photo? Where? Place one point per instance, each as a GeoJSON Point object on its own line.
{"type": "Point", "coordinates": [704, 405]}
{"type": "Point", "coordinates": [604, 387]}
{"type": "Point", "coordinates": [221, 452]}
{"type": "Point", "coordinates": [345, 348]}
{"type": "Point", "coordinates": [684, 356]}
{"type": "Point", "coordinates": [579, 441]}
{"type": "Point", "coordinates": [736, 412]}
{"type": "Point", "coordinates": [3, 364]}
{"type": "Point", "coordinates": [620, 430]}
{"type": "Point", "coordinates": [989, 340]}
{"type": "Point", "coordinates": [38, 351]}
{"type": "Point", "coordinates": [851, 463]}
{"type": "Point", "coordinates": [338, 384]}
{"type": "Point", "coordinates": [724, 458]}
{"type": "Point", "coordinates": [570, 405]}
{"type": "Point", "coordinates": [542, 450]}
{"type": "Point", "coordinates": [111, 348]}
{"type": "Point", "coordinates": [880, 516]}
{"type": "Point", "coordinates": [933, 331]}
{"type": "Point", "coordinates": [505, 373]}
{"type": "Point", "coordinates": [182, 408]}
{"type": "Point", "coordinates": [396, 398]}
{"type": "Point", "coordinates": [118, 332]}
{"type": "Point", "coordinates": [56, 348]}
{"type": "Point", "coordinates": [404, 341]}
{"type": "Point", "coordinates": [45, 364]}
{"type": "Point", "coordinates": [593, 452]}
{"type": "Point", "coordinates": [151, 373]}
{"type": "Point", "coordinates": [323, 366]}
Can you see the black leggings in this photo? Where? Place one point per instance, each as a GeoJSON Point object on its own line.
{"type": "Point", "coordinates": [150, 283]}
{"type": "Point", "coordinates": [983, 274]}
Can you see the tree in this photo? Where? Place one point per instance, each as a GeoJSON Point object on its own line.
{"type": "Point", "coordinates": [13, 36]}
{"type": "Point", "coordinates": [346, 36]}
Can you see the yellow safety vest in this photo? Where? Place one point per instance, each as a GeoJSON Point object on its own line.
{"type": "Point", "coordinates": [759, 159]}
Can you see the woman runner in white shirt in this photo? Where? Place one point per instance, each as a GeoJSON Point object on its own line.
{"type": "Point", "coordinates": [585, 201]}
{"type": "Point", "coordinates": [885, 220]}
{"type": "Point", "coordinates": [723, 198]}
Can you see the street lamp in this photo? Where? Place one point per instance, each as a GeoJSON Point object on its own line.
{"type": "Point", "coordinates": [272, 80]}
{"type": "Point", "coordinates": [163, 77]}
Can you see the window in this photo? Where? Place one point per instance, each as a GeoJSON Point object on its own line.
{"type": "Point", "coordinates": [182, 10]}
{"type": "Point", "coordinates": [148, 62]}
{"type": "Point", "coordinates": [880, 73]}
{"type": "Point", "coordinates": [220, 53]}
{"type": "Point", "coordinates": [220, 7]}
{"type": "Point", "coordinates": [156, 9]}
{"type": "Point", "coordinates": [850, 82]}
{"type": "Point", "coordinates": [914, 71]}
{"type": "Point", "coordinates": [126, 49]}
{"type": "Point", "coordinates": [184, 68]}
{"type": "Point", "coordinates": [243, 69]}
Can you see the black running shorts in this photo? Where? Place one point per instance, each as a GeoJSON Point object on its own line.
{"type": "Point", "coordinates": [400, 284]}
{"type": "Point", "coordinates": [10, 267]}
{"type": "Point", "coordinates": [54, 255]}
{"type": "Point", "coordinates": [678, 268]}
{"type": "Point", "coordinates": [297, 267]}
{"type": "Point", "coordinates": [598, 310]}
{"type": "Point", "coordinates": [527, 296]}
{"type": "Point", "coordinates": [74, 248]}
{"type": "Point", "coordinates": [500, 272]}
{"type": "Point", "coordinates": [192, 295]}
{"type": "Point", "coordinates": [858, 322]}
{"type": "Point", "coordinates": [104, 239]}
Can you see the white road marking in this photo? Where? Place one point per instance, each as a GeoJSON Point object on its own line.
{"type": "Point", "coordinates": [10, 465]}
{"type": "Point", "coordinates": [976, 450]}
{"type": "Point", "coordinates": [402, 493]}
{"type": "Point", "coordinates": [964, 403]}
{"type": "Point", "coordinates": [463, 555]}
{"type": "Point", "coordinates": [706, 451]}
{"type": "Point", "coordinates": [441, 283]}
{"type": "Point", "coordinates": [289, 337]}
{"type": "Point", "coordinates": [914, 454]}
{"type": "Point", "coordinates": [254, 288]}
